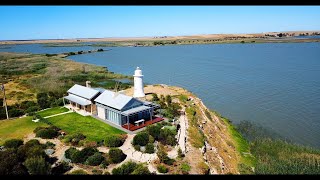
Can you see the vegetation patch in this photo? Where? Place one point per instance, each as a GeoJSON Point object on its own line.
{"type": "Point", "coordinates": [17, 128]}
{"type": "Point", "coordinates": [114, 140]}
{"type": "Point", "coordinates": [52, 111]}
{"type": "Point", "coordinates": [131, 168]}
{"type": "Point", "coordinates": [73, 123]}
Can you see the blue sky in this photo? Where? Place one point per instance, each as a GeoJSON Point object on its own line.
{"type": "Point", "coordinates": [52, 22]}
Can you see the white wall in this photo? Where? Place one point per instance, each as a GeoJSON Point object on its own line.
{"type": "Point", "coordinates": [101, 112]}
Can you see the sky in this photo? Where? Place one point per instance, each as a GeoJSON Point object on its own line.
{"type": "Point", "coordinates": [59, 22]}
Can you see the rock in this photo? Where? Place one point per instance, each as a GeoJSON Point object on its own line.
{"type": "Point", "coordinates": [49, 151]}
{"type": "Point", "coordinates": [142, 148]}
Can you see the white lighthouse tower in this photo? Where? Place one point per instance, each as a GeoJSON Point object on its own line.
{"type": "Point", "coordinates": [138, 84]}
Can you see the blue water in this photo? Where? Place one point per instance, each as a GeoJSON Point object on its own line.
{"type": "Point", "coordinates": [276, 85]}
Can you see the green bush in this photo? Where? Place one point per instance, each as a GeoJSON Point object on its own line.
{"type": "Point", "coordinates": [149, 148]}
{"type": "Point", "coordinates": [69, 152]}
{"type": "Point", "coordinates": [79, 172]}
{"type": "Point", "coordinates": [96, 172]}
{"type": "Point", "coordinates": [47, 133]}
{"type": "Point", "coordinates": [82, 156]}
{"type": "Point", "coordinates": [125, 169]}
{"type": "Point", "coordinates": [167, 136]}
{"type": "Point", "coordinates": [137, 147]}
{"type": "Point", "coordinates": [162, 169]}
{"type": "Point", "coordinates": [141, 139]}
{"type": "Point", "coordinates": [37, 166]}
{"type": "Point", "coordinates": [154, 130]}
{"type": "Point", "coordinates": [141, 170]}
{"type": "Point", "coordinates": [105, 163]}
{"type": "Point", "coordinates": [49, 145]}
{"type": "Point", "coordinates": [8, 160]}
{"type": "Point", "coordinates": [61, 168]}
{"type": "Point", "coordinates": [116, 155]}
{"type": "Point", "coordinates": [13, 143]}
{"type": "Point", "coordinates": [114, 141]}
{"type": "Point", "coordinates": [95, 159]}
{"type": "Point", "coordinates": [185, 168]}
{"type": "Point", "coordinates": [151, 139]}
{"type": "Point", "coordinates": [31, 148]}
{"type": "Point", "coordinates": [74, 139]}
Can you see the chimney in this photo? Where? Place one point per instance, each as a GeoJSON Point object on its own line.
{"type": "Point", "coordinates": [88, 84]}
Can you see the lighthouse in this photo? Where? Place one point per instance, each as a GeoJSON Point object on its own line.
{"type": "Point", "coordinates": [138, 84]}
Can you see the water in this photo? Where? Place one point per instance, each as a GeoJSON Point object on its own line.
{"type": "Point", "coordinates": [276, 85]}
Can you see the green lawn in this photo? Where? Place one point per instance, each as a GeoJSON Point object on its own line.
{"type": "Point", "coordinates": [52, 111]}
{"type": "Point", "coordinates": [17, 128]}
{"type": "Point", "coordinates": [92, 128]}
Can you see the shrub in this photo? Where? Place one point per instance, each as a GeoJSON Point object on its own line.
{"type": "Point", "coordinates": [180, 154]}
{"type": "Point", "coordinates": [114, 141]}
{"type": "Point", "coordinates": [47, 133]}
{"type": "Point", "coordinates": [116, 155]}
{"type": "Point", "coordinates": [167, 136]}
{"type": "Point", "coordinates": [95, 159]}
{"type": "Point", "coordinates": [8, 159]}
{"type": "Point", "coordinates": [74, 139]}
{"type": "Point", "coordinates": [104, 164]}
{"type": "Point", "coordinates": [141, 139]}
{"type": "Point", "coordinates": [97, 172]}
{"type": "Point", "coordinates": [69, 152]}
{"type": "Point", "coordinates": [82, 156]}
{"type": "Point", "coordinates": [13, 143]}
{"type": "Point", "coordinates": [49, 145]}
{"type": "Point", "coordinates": [162, 169]}
{"type": "Point", "coordinates": [37, 166]}
{"type": "Point", "coordinates": [141, 170]}
{"type": "Point", "coordinates": [163, 156]}
{"type": "Point", "coordinates": [61, 168]}
{"type": "Point", "coordinates": [185, 168]}
{"type": "Point", "coordinates": [30, 149]}
{"type": "Point", "coordinates": [154, 130]}
{"type": "Point", "coordinates": [125, 169]}
{"type": "Point", "coordinates": [79, 172]}
{"type": "Point", "coordinates": [106, 173]}
{"type": "Point", "coordinates": [151, 139]}
{"type": "Point", "coordinates": [137, 147]}
{"type": "Point", "coordinates": [204, 168]}
{"type": "Point", "coordinates": [32, 142]}
{"type": "Point", "coordinates": [149, 148]}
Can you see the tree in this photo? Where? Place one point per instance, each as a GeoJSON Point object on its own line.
{"type": "Point", "coordinates": [37, 166]}
{"type": "Point", "coordinates": [141, 139]}
{"type": "Point", "coordinates": [114, 141]}
{"type": "Point", "coordinates": [168, 99]}
{"type": "Point", "coordinates": [8, 159]}
{"type": "Point", "coordinates": [13, 143]}
{"type": "Point", "coordinates": [95, 159]}
{"type": "Point", "coordinates": [154, 130]}
{"type": "Point", "coordinates": [116, 155]}
{"type": "Point", "coordinates": [141, 170]}
{"type": "Point", "coordinates": [149, 148]}
{"type": "Point", "coordinates": [43, 100]}
{"type": "Point", "coordinates": [155, 98]}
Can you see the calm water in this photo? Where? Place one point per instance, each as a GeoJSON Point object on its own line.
{"type": "Point", "coordinates": [276, 85]}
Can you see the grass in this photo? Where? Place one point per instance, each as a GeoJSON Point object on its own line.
{"type": "Point", "coordinates": [52, 111]}
{"type": "Point", "coordinates": [242, 146]}
{"type": "Point", "coordinates": [92, 128]}
{"type": "Point", "coordinates": [17, 128]}
{"type": "Point", "coordinates": [196, 136]}
{"type": "Point", "coordinates": [280, 157]}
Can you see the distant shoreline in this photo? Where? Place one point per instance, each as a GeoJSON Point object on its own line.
{"type": "Point", "coordinates": [223, 37]}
